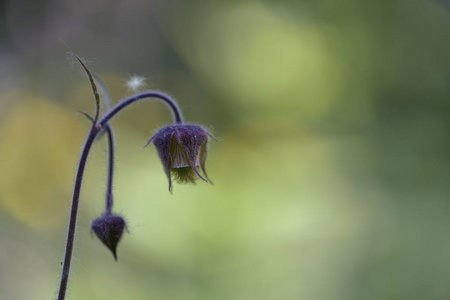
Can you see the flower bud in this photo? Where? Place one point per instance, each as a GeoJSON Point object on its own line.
{"type": "Point", "coordinates": [109, 228]}
{"type": "Point", "coordinates": [182, 148]}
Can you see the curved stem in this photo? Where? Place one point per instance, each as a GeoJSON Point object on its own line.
{"type": "Point", "coordinates": [172, 104]}
{"type": "Point", "coordinates": [73, 213]}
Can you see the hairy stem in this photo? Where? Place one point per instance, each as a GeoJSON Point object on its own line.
{"type": "Point", "coordinates": [172, 104]}
{"type": "Point", "coordinates": [109, 188]}
{"type": "Point", "coordinates": [73, 213]}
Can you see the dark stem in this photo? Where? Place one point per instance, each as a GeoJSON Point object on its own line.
{"type": "Point", "coordinates": [124, 103]}
{"type": "Point", "coordinates": [109, 189]}
{"type": "Point", "coordinates": [95, 130]}
{"type": "Point", "coordinates": [73, 213]}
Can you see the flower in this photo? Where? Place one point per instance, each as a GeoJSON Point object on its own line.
{"type": "Point", "coordinates": [109, 228]}
{"type": "Point", "coordinates": [182, 149]}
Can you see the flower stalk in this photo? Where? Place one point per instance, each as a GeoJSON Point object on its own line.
{"type": "Point", "coordinates": [188, 151]}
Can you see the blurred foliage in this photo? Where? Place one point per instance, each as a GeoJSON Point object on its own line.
{"type": "Point", "coordinates": [331, 176]}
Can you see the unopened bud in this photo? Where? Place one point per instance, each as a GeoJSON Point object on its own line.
{"type": "Point", "coordinates": [109, 229]}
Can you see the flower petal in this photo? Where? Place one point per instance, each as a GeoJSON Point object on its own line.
{"type": "Point", "coordinates": [203, 154]}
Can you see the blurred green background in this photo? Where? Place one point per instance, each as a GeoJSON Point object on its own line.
{"type": "Point", "coordinates": [332, 173]}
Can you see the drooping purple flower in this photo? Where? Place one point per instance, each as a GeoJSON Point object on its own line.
{"type": "Point", "coordinates": [182, 148]}
{"type": "Point", "coordinates": [109, 228]}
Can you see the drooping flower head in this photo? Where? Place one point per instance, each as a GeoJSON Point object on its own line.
{"type": "Point", "coordinates": [182, 148]}
{"type": "Point", "coordinates": [109, 228]}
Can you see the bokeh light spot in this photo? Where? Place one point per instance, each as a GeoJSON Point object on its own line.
{"type": "Point", "coordinates": [262, 57]}
{"type": "Point", "coordinates": [39, 143]}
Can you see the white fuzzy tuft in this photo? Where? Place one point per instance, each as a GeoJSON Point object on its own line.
{"type": "Point", "coordinates": [135, 83]}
